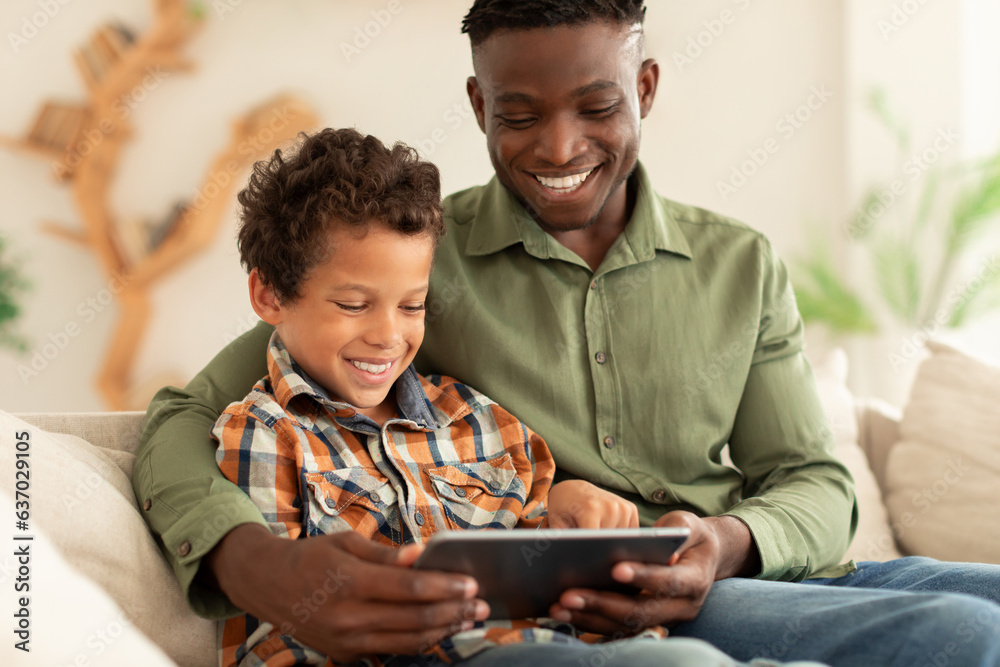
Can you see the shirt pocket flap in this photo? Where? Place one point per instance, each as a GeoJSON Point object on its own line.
{"type": "Point", "coordinates": [336, 490]}
{"type": "Point", "coordinates": [462, 482]}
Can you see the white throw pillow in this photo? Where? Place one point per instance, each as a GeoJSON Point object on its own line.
{"type": "Point", "coordinates": [67, 618]}
{"type": "Point", "coordinates": [85, 504]}
{"type": "Point", "coordinates": [943, 477]}
{"type": "Point", "coordinates": [874, 539]}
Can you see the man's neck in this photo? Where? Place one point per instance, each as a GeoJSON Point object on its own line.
{"type": "Point", "coordinates": [593, 243]}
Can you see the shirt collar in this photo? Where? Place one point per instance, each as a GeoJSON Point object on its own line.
{"type": "Point", "coordinates": [289, 380]}
{"type": "Point", "coordinates": [501, 221]}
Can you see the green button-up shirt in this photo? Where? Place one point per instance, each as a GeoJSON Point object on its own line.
{"type": "Point", "coordinates": [686, 339]}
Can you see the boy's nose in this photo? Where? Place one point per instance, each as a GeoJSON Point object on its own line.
{"type": "Point", "coordinates": [385, 331]}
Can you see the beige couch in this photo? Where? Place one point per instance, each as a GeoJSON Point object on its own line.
{"type": "Point", "coordinates": [88, 528]}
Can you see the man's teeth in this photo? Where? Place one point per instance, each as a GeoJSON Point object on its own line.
{"type": "Point", "coordinates": [566, 183]}
{"type": "Point", "coordinates": [372, 368]}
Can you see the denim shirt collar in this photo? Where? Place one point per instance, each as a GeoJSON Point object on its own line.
{"type": "Point", "coordinates": [289, 381]}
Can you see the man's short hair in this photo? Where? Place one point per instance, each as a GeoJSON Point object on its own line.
{"type": "Point", "coordinates": [335, 178]}
{"type": "Point", "coordinates": [487, 16]}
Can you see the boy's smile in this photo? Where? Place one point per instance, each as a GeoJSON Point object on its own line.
{"type": "Point", "coordinates": [359, 318]}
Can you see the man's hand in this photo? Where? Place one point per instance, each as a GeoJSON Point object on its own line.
{"type": "Point", "coordinates": [579, 504]}
{"type": "Point", "coordinates": [341, 594]}
{"type": "Point", "coordinates": [719, 547]}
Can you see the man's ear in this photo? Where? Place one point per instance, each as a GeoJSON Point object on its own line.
{"type": "Point", "coordinates": [263, 299]}
{"type": "Point", "coordinates": [478, 103]}
{"type": "Point", "coordinates": [649, 77]}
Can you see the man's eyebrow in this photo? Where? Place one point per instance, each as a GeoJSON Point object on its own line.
{"type": "Point", "coordinates": [524, 98]}
{"type": "Point", "coordinates": [595, 87]}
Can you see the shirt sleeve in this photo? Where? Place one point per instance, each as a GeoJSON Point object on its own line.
{"type": "Point", "coordinates": [191, 505]}
{"type": "Point", "coordinates": [264, 461]}
{"type": "Point", "coordinates": [798, 498]}
{"type": "Point", "coordinates": [534, 464]}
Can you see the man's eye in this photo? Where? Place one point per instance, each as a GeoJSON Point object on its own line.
{"type": "Point", "coordinates": [602, 111]}
{"type": "Point", "coordinates": [349, 307]}
{"type": "Point", "coordinates": [515, 122]}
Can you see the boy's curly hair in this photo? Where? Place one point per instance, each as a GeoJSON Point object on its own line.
{"type": "Point", "coordinates": [336, 177]}
{"type": "Point", "coordinates": [486, 16]}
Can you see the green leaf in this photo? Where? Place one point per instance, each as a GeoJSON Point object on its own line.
{"type": "Point", "coordinates": [12, 285]}
{"type": "Point", "coordinates": [878, 101]}
{"type": "Point", "coordinates": [822, 296]}
{"type": "Point", "coordinates": [975, 210]}
{"type": "Point", "coordinates": [978, 296]}
{"type": "Point", "coordinates": [897, 270]}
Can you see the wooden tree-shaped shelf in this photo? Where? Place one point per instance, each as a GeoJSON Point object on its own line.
{"type": "Point", "coordinates": [83, 142]}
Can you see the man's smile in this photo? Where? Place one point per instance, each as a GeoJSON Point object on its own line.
{"type": "Point", "coordinates": [563, 184]}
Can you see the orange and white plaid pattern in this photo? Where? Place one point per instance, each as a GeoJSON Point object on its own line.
{"type": "Point", "coordinates": [452, 460]}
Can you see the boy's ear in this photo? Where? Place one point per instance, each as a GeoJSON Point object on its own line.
{"type": "Point", "coordinates": [263, 299]}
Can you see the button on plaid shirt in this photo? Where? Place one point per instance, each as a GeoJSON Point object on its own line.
{"type": "Point", "coordinates": [452, 460]}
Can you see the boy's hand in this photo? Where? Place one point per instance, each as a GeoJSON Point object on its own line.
{"type": "Point", "coordinates": [341, 594]}
{"type": "Point", "coordinates": [579, 504]}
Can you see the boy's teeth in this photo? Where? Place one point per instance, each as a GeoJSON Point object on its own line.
{"type": "Point", "coordinates": [372, 368]}
{"type": "Point", "coordinates": [568, 183]}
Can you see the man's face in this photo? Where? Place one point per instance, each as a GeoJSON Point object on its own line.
{"type": "Point", "coordinates": [561, 109]}
{"type": "Point", "coordinates": [359, 319]}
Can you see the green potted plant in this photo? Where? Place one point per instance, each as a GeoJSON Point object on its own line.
{"type": "Point", "coordinates": [927, 244]}
{"type": "Point", "coordinates": [12, 285]}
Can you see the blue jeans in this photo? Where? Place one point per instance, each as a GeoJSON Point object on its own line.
{"type": "Point", "coordinates": [911, 612]}
{"type": "Point", "coordinates": [670, 652]}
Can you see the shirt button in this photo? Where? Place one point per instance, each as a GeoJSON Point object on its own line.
{"type": "Point", "coordinates": [494, 484]}
{"type": "Point", "coordinates": [419, 518]}
{"type": "Point", "coordinates": [374, 497]}
{"type": "Point", "coordinates": [601, 357]}
{"type": "Point", "coordinates": [184, 549]}
{"type": "Point", "coordinates": [330, 502]}
{"type": "Point", "coordinates": [609, 442]}
{"type": "Point", "coordinates": [593, 285]}
{"type": "Point", "coordinates": [659, 495]}
{"type": "Point", "coordinates": [460, 492]}
{"type": "Point", "coordinates": [146, 505]}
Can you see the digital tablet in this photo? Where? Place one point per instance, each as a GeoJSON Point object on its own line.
{"type": "Point", "coordinates": [521, 573]}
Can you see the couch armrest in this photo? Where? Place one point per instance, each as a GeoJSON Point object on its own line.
{"type": "Point", "coordinates": [878, 431]}
{"type": "Point", "coordinates": [110, 430]}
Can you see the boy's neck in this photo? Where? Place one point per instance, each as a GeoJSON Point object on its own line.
{"type": "Point", "coordinates": [384, 411]}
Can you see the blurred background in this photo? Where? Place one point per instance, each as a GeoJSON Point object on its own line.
{"type": "Point", "coordinates": [860, 136]}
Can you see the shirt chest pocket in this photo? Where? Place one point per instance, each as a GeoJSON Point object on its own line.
{"type": "Point", "coordinates": [485, 494]}
{"type": "Point", "coordinates": [359, 499]}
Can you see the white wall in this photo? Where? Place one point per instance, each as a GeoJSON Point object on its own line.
{"type": "Point", "coordinates": [712, 113]}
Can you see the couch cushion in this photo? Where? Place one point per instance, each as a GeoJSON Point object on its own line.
{"type": "Point", "coordinates": [84, 502]}
{"type": "Point", "coordinates": [874, 539]}
{"type": "Point", "coordinates": [72, 620]}
{"type": "Point", "coordinates": [943, 475]}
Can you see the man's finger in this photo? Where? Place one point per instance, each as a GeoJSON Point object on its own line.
{"type": "Point", "coordinates": [404, 618]}
{"type": "Point", "coordinates": [398, 584]}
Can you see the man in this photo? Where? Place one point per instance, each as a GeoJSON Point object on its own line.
{"type": "Point", "coordinates": [593, 304]}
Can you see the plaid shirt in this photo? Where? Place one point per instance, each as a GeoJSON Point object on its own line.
{"type": "Point", "coordinates": [452, 460]}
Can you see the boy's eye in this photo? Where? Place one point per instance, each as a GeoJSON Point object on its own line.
{"type": "Point", "coordinates": [350, 307]}
{"type": "Point", "coordinates": [414, 308]}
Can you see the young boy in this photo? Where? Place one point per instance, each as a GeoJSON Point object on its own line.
{"type": "Point", "coordinates": [343, 434]}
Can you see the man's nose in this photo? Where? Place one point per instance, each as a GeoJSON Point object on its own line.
{"type": "Point", "coordinates": [560, 141]}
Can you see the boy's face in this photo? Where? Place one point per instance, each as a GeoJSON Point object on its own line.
{"type": "Point", "coordinates": [359, 319]}
{"type": "Point", "coordinates": [561, 108]}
